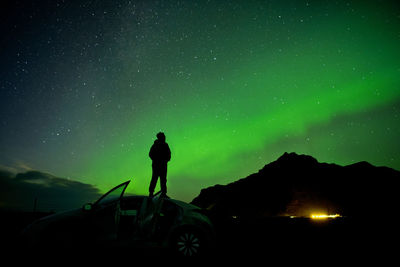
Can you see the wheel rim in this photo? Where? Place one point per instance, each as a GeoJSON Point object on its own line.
{"type": "Point", "coordinates": [188, 244]}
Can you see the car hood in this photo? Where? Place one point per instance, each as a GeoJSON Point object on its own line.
{"type": "Point", "coordinates": [39, 224]}
{"type": "Point", "coordinates": [60, 215]}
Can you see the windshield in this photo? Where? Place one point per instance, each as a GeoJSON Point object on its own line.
{"type": "Point", "coordinates": [113, 195]}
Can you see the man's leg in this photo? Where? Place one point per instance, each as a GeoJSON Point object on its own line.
{"type": "Point", "coordinates": [153, 181]}
{"type": "Point", "coordinates": [163, 180]}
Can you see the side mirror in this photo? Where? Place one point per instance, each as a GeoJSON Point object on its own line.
{"type": "Point", "coordinates": [87, 207]}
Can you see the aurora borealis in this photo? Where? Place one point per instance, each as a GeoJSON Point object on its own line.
{"type": "Point", "coordinates": [86, 85]}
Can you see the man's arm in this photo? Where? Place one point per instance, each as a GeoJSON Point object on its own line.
{"type": "Point", "coordinates": [168, 153]}
{"type": "Point", "coordinates": [151, 152]}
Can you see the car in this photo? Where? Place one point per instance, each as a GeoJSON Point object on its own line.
{"type": "Point", "coordinates": [115, 220]}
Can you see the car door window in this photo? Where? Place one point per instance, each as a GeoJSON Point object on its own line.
{"type": "Point", "coordinates": [113, 195]}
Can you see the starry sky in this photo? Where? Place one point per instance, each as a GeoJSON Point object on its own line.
{"type": "Point", "coordinates": [86, 85]}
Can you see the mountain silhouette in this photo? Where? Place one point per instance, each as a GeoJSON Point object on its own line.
{"type": "Point", "coordinates": [298, 185]}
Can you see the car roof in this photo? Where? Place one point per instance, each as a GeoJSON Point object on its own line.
{"type": "Point", "coordinates": [180, 203]}
{"type": "Point", "coordinates": [183, 205]}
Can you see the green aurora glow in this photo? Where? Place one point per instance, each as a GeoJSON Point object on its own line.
{"type": "Point", "coordinates": [233, 87]}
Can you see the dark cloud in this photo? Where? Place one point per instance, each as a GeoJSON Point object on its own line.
{"type": "Point", "coordinates": [19, 191]}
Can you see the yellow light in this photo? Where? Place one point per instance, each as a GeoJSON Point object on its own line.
{"type": "Point", "coordinates": [324, 216]}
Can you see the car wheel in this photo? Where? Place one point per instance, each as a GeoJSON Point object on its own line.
{"type": "Point", "coordinates": [188, 243]}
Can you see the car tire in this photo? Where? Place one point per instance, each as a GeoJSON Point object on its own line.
{"type": "Point", "coordinates": [188, 242]}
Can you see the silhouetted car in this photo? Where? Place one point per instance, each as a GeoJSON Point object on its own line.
{"type": "Point", "coordinates": [127, 221]}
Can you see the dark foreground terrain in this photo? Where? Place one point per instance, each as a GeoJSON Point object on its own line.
{"type": "Point", "coordinates": [282, 240]}
{"type": "Point", "coordinates": [248, 229]}
{"type": "Point", "coordinates": [307, 240]}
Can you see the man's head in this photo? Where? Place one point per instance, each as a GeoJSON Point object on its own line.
{"type": "Point", "coordinates": [161, 136]}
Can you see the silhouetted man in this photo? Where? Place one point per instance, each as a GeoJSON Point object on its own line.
{"type": "Point", "coordinates": [160, 154]}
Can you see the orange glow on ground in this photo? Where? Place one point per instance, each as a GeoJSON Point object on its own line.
{"type": "Point", "coordinates": [324, 216]}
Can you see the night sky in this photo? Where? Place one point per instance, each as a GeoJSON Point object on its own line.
{"type": "Point", "coordinates": [86, 85]}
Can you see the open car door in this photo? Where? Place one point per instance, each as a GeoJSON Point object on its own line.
{"type": "Point", "coordinates": [105, 214]}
